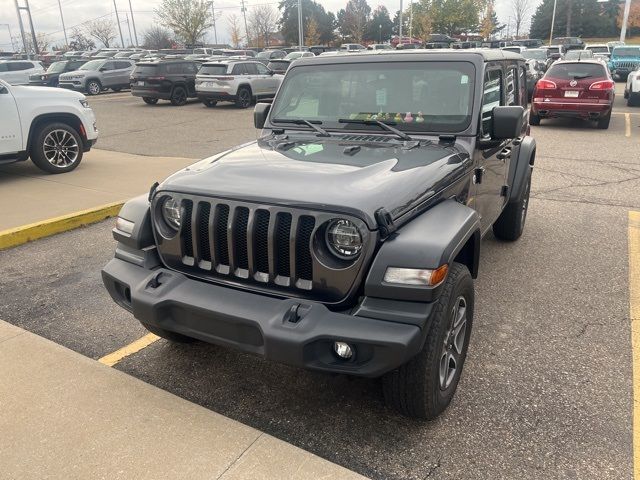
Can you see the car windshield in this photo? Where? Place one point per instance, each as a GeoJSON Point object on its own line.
{"type": "Point", "coordinates": [554, 50]}
{"type": "Point", "coordinates": [570, 71]}
{"type": "Point", "coordinates": [213, 70]}
{"type": "Point", "coordinates": [535, 54]}
{"type": "Point", "coordinates": [263, 55]}
{"type": "Point", "coordinates": [294, 55]}
{"type": "Point", "coordinates": [602, 49]}
{"type": "Point", "coordinates": [626, 52]}
{"type": "Point", "coordinates": [279, 65]}
{"type": "Point", "coordinates": [56, 67]}
{"type": "Point", "coordinates": [92, 65]}
{"type": "Point", "coordinates": [416, 96]}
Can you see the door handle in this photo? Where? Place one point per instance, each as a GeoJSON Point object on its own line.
{"type": "Point", "coordinates": [504, 154]}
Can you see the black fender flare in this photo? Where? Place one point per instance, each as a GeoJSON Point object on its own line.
{"type": "Point", "coordinates": [136, 210]}
{"type": "Point", "coordinates": [447, 232]}
{"type": "Point", "coordinates": [70, 119]}
{"type": "Point", "coordinates": [520, 168]}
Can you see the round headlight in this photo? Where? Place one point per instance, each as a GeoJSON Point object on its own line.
{"type": "Point", "coordinates": [344, 239]}
{"type": "Point", "coordinates": [171, 212]}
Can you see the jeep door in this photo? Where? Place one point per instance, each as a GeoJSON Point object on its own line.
{"type": "Point", "coordinates": [108, 74]}
{"type": "Point", "coordinates": [122, 72]}
{"type": "Point", "coordinates": [490, 176]}
{"type": "Point", "coordinates": [269, 82]}
{"type": "Point", "coordinates": [255, 79]}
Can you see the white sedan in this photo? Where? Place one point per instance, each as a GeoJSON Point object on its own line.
{"type": "Point", "coordinates": [632, 88]}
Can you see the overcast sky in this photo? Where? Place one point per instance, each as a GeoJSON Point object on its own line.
{"type": "Point", "coordinates": [46, 16]}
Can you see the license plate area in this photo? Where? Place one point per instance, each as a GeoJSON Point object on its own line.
{"type": "Point", "coordinates": [571, 93]}
{"type": "Point", "coordinates": [140, 83]}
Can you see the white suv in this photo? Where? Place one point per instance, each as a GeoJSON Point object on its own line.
{"type": "Point", "coordinates": [17, 72]}
{"type": "Point", "coordinates": [239, 81]}
{"type": "Point", "coordinates": [52, 126]}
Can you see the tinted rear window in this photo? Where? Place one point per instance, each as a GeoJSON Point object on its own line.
{"type": "Point", "coordinates": [570, 71]}
{"type": "Point", "coordinates": [599, 49]}
{"type": "Point", "coordinates": [213, 70]}
{"type": "Point", "coordinates": [146, 70]}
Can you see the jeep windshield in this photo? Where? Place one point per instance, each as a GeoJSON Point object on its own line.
{"type": "Point", "coordinates": [416, 96]}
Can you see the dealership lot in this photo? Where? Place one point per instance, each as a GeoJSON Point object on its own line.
{"type": "Point", "coordinates": [547, 388]}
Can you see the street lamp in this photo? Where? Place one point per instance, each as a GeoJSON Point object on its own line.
{"type": "Point", "coordinates": [553, 21]}
{"type": "Point", "coordinates": [380, 32]}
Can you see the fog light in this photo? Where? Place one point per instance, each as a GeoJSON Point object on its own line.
{"type": "Point", "coordinates": [125, 226]}
{"type": "Point", "coordinates": [343, 350]}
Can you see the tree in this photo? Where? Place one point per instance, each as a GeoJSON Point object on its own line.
{"type": "Point", "coordinates": [489, 25]}
{"type": "Point", "coordinates": [262, 21]}
{"type": "Point", "coordinates": [580, 17]}
{"type": "Point", "coordinates": [41, 38]}
{"type": "Point", "coordinates": [157, 38]}
{"type": "Point", "coordinates": [521, 10]}
{"type": "Point", "coordinates": [380, 27]}
{"type": "Point", "coordinates": [188, 19]}
{"type": "Point", "coordinates": [422, 20]}
{"type": "Point", "coordinates": [234, 30]}
{"type": "Point", "coordinates": [79, 41]}
{"type": "Point", "coordinates": [288, 22]}
{"type": "Point", "coordinates": [353, 19]}
{"type": "Point", "coordinates": [634, 16]}
{"type": "Point", "coordinates": [103, 30]}
{"type": "Point", "coordinates": [312, 33]}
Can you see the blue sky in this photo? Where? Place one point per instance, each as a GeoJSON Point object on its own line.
{"type": "Point", "coordinates": [46, 16]}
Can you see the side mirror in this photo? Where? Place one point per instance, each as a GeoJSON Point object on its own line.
{"type": "Point", "coordinates": [260, 114]}
{"type": "Point", "coordinates": [102, 69]}
{"type": "Point", "coordinates": [507, 122]}
{"type": "Point", "coordinates": [3, 90]}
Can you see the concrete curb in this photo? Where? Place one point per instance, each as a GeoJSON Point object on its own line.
{"type": "Point", "coordinates": [33, 231]}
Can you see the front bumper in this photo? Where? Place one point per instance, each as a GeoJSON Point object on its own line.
{"type": "Point", "coordinates": [218, 96]}
{"type": "Point", "coordinates": [72, 85]}
{"type": "Point", "coordinates": [264, 325]}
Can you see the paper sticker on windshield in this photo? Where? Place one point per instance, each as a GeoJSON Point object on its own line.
{"type": "Point", "coordinates": [464, 79]}
{"type": "Point", "coordinates": [309, 149]}
{"type": "Point", "coordinates": [381, 97]}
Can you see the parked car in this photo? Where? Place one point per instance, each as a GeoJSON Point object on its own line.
{"type": "Point", "coordinates": [294, 55]}
{"type": "Point", "coordinates": [535, 71]}
{"type": "Point", "coordinates": [346, 238]}
{"type": "Point", "coordinates": [51, 76]}
{"type": "Point", "coordinates": [172, 80]}
{"type": "Point", "coordinates": [632, 88]}
{"type": "Point", "coordinates": [267, 55]}
{"type": "Point", "coordinates": [408, 46]}
{"type": "Point", "coordinates": [556, 52]}
{"type": "Point", "coordinates": [624, 60]}
{"type": "Point", "coordinates": [17, 72]}
{"type": "Point", "coordinates": [238, 81]}
{"type": "Point", "coordinates": [599, 50]}
{"type": "Point", "coordinates": [569, 43]}
{"type": "Point", "coordinates": [515, 49]}
{"type": "Point", "coordinates": [539, 55]}
{"type": "Point", "coordinates": [380, 46]}
{"type": "Point", "coordinates": [529, 42]}
{"type": "Point", "coordinates": [318, 49]}
{"type": "Point", "coordinates": [352, 47]}
{"type": "Point", "coordinates": [279, 66]}
{"type": "Point", "coordinates": [142, 55]}
{"type": "Point", "coordinates": [579, 55]}
{"type": "Point", "coordinates": [52, 127]}
{"type": "Point", "coordinates": [295, 48]}
{"type": "Point", "coordinates": [579, 89]}
{"type": "Point", "coordinates": [98, 75]}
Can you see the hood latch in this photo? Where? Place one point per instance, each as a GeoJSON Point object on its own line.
{"type": "Point", "coordinates": [385, 223]}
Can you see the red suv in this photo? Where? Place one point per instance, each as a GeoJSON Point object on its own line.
{"type": "Point", "coordinates": [581, 89]}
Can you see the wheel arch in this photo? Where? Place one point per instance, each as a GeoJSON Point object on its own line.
{"type": "Point", "coordinates": [245, 85]}
{"type": "Point", "coordinates": [47, 118]}
{"type": "Point", "coordinates": [520, 169]}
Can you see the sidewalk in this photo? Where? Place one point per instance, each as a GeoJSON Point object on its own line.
{"type": "Point", "coordinates": [65, 416]}
{"type": "Point", "coordinates": [103, 177]}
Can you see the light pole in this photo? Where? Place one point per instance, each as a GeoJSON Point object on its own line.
{"type": "Point", "coordinates": [118, 22]}
{"type": "Point", "coordinates": [400, 24]}
{"type": "Point", "coordinates": [380, 33]}
{"type": "Point", "coordinates": [215, 30]}
{"type": "Point", "coordinates": [411, 22]}
{"type": "Point", "coordinates": [64, 29]}
{"type": "Point", "coordinates": [133, 22]}
{"type": "Point", "coordinates": [300, 31]}
{"type": "Point", "coordinates": [553, 21]}
{"type": "Point", "coordinates": [625, 19]}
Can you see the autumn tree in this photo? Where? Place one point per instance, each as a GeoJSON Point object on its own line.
{"type": "Point", "coordinates": [312, 33]}
{"type": "Point", "coordinates": [262, 21]}
{"type": "Point", "coordinates": [423, 20]}
{"type": "Point", "coordinates": [157, 38]}
{"type": "Point", "coordinates": [234, 30]}
{"type": "Point", "coordinates": [103, 30]}
{"type": "Point", "coordinates": [188, 19]}
{"type": "Point", "coordinates": [42, 39]}
{"type": "Point", "coordinates": [634, 16]}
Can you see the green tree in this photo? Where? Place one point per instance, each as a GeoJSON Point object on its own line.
{"type": "Point", "coordinates": [189, 19]}
{"type": "Point", "coordinates": [288, 22]}
{"type": "Point", "coordinates": [380, 27]}
{"type": "Point", "coordinates": [353, 20]}
{"type": "Point", "coordinates": [586, 18]}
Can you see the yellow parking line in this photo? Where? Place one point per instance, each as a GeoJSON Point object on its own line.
{"type": "Point", "coordinates": [111, 359]}
{"type": "Point", "coordinates": [627, 125]}
{"type": "Point", "coordinates": [634, 310]}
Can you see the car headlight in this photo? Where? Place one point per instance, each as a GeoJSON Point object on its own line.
{"type": "Point", "coordinates": [84, 103]}
{"type": "Point", "coordinates": [171, 212]}
{"type": "Point", "coordinates": [343, 239]}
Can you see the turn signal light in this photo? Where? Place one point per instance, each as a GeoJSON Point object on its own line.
{"type": "Point", "coordinates": [603, 85]}
{"type": "Point", "coordinates": [546, 85]}
{"type": "Point", "coordinates": [414, 276]}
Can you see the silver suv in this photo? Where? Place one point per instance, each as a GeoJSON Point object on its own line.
{"type": "Point", "coordinates": [98, 75]}
{"type": "Point", "coordinates": [239, 81]}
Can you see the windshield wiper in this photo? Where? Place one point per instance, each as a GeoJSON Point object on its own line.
{"type": "Point", "coordinates": [581, 77]}
{"type": "Point", "coordinates": [309, 123]}
{"type": "Point", "coordinates": [384, 125]}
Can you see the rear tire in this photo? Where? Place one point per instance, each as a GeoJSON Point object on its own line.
{"type": "Point", "coordinates": [534, 119]}
{"type": "Point", "coordinates": [603, 122]}
{"type": "Point", "coordinates": [209, 103]}
{"type": "Point", "coordinates": [244, 97]}
{"type": "Point", "coordinates": [178, 97]}
{"type": "Point", "coordinates": [424, 386]}
{"type": "Point", "coordinates": [56, 148]}
{"type": "Point", "coordinates": [168, 335]}
{"type": "Point", "coordinates": [150, 101]}
{"type": "Point", "coordinates": [510, 223]}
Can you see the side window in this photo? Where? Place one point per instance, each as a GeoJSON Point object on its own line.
{"type": "Point", "coordinates": [238, 69]}
{"type": "Point", "coordinates": [491, 98]}
{"type": "Point", "coordinates": [524, 94]}
{"type": "Point", "coordinates": [107, 66]}
{"type": "Point", "coordinates": [173, 68]}
{"type": "Point", "coordinates": [262, 70]}
{"type": "Point", "coordinates": [278, 54]}
{"type": "Point", "coordinates": [17, 66]}
{"type": "Point", "coordinates": [4, 67]}
{"type": "Point", "coordinates": [251, 68]}
{"type": "Point", "coordinates": [513, 95]}
{"type": "Point", "coordinates": [121, 65]}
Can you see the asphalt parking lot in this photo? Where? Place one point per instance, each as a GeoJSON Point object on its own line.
{"type": "Point", "coordinates": [547, 387]}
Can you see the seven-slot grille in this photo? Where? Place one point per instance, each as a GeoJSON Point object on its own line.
{"type": "Point", "coordinates": [247, 242]}
{"type": "Point", "coordinates": [629, 65]}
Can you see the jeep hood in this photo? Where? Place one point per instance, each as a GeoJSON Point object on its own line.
{"type": "Point", "coordinates": [327, 174]}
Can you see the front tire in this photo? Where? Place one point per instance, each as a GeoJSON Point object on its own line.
{"type": "Point", "coordinates": [424, 386]}
{"type": "Point", "coordinates": [57, 148]}
{"type": "Point", "coordinates": [510, 223]}
{"type": "Point", "coordinates": [178, 97]}
{"type": "Point", "coordinates": [149, 100]}
{"type": "Point", "coordinates": [168, 335]}
{"type": "Point", "coordinates": [93, 87]}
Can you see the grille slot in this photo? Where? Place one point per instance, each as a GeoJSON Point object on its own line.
{"type": "Point", "coordinates": [203, 232]}
{"type": "Point", "coordinates": [187, 236]}
{"type": "Point", "coordinates": [262, 241]}
{"type": "Point", "coordinates": [240, 237]}
{"type": "Point", "coordinates": [283, 232]}
{"type": "Point", "coordinates": [220, 237]}
{"type": "Point", "coordinates": [304, 262]}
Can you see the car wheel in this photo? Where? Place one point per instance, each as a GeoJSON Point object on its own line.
{"type": "Point", "coordinates": [57, 148]}
{"type": "Point", "coordinates": [510, 223]}
{"type": "Point", "coordinates": [116, 89]}
{"type": "Point", "coordinates": [534, 119]}
{"type": "Point", "coordinates": [424, 386]}
{"type": "Point", "coordinates": [603, 122]}
{"type": "Point", "coordinates": [168, 335]}
{"type": "Point", "coordinates": [244, 98]}
{"type": "Point", "coordinates": [625, 94]}
{"type": "Point", "coordinates": [149, 100]}
{"type": "Point", "coordinates": [94, 87]}
{"type": "Point", "coordinates": [179, 96]}
{"type": "Point", "coordinates": [210, 103]}
{"type": "Point", "coordinates": [634, 99]}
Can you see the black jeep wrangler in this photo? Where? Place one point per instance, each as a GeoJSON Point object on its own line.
{"type": "Point", "coordinates": [345, 238]}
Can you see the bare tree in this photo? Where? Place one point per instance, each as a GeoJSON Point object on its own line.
{"type": "Point", "coordinates": [41, 38]}
{"type": "Point", "coordinates": [234, 30]}
{"type": "Point", "coordinates": [157, 38]}
{"type": "Point", "coordinates": [521, 9]}
{"type": "Point", "coordinates": [79, 41]}
{"type": "Point", "coordinates": [103, 30]}
{"type": "Point", "coordinates": [189, 19]}
{"type": "Point", "coordinates": [262, 23]}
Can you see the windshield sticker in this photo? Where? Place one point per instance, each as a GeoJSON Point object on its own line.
{"type": "Point", "coordinates": [309, 149]}
{"type": "Point", "coordinates": [381, 97]}
{"type": "Point", "coordinates": [464, 79]}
